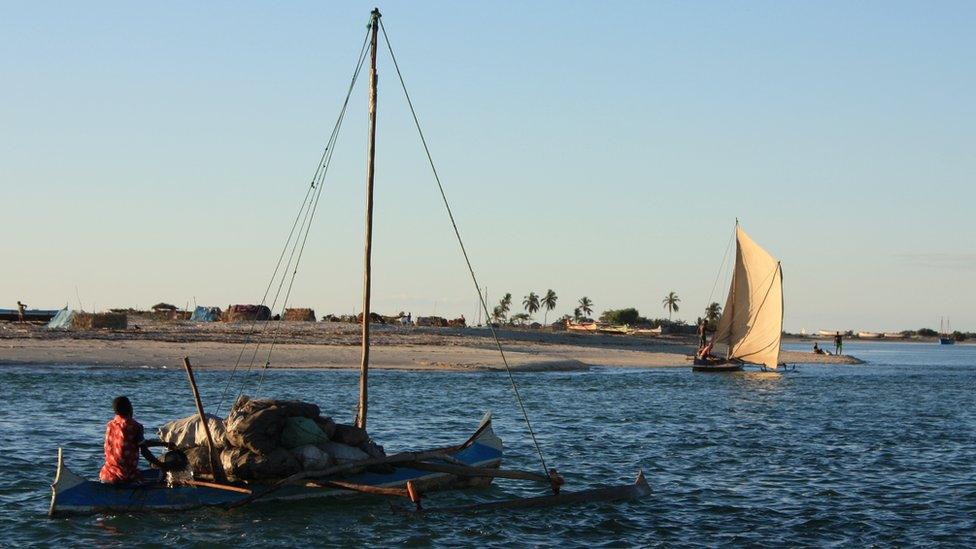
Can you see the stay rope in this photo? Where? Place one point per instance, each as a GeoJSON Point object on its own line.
{"type": "Point", "coordinates": [464, 252]}
{"type": "Point", "coordinates": [310, 217]}
{"type": "Point", "coordinates": [721, 269]}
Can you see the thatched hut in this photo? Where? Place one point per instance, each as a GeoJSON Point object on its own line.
{"type": "Point", "coordinates": [301, 315]}
{"type": "Point", "coordinates": [99, 321]}
{"type": "Point", "coordinates": [240, 313]}
{"type": "Point", "coordinates": [434, 321]}
{"type": "Point", "coordinates": [374, 318]}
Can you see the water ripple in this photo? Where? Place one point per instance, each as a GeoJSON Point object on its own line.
{"type": "Point", "coordinates": [880, 454]}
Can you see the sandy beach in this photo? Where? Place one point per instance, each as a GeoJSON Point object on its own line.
{"type": "Point", "coordinates": [153, 344]}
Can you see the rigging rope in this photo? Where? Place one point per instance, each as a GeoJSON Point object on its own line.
{"type": "Point", "coordinates": [457, 233]}
{"type": "Point", "coordinates": [309, 203]}
{"type": "Point", "coordinates": [310, 217]}
{"type": "Point", "coordinates": [721, 269]}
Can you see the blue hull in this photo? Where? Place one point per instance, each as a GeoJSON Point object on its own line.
{"type": "Point", "coordinates": [75, 495]}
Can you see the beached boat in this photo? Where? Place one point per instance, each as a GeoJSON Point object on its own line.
{"type": "Point", "coordinates": [751, 324]}
{"type": "Point", "coordinates": [945, 332]}
{"type": "Point", "coordinates": [612, 329]}
{"type": "Point", "coordinates": [476, 462]}
{"type": "Point", "coordinates": [894, 335]}
{"type": "Point", "coordinates": [30, 315]}
{"type": "Point", "coordinates": [868, 335]}
{"type": "Point", "coordinates": [590, 327]}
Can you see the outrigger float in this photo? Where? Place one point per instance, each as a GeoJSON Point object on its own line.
{"type": "Point", "coordinates": [407, 475]}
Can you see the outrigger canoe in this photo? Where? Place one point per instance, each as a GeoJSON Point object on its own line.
{"type": "Point", "coordinates": [73, 495]}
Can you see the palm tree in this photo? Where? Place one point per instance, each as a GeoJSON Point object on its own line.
{"type": "Point", "coordinates": [549, 303]}
{"type": "Point", "coordinates": [497, 314]}
{"type": "Point", "coordinates": [500, 312]}
{"type": "Point", "coordinates": [505, 305]}
{"type": "Point", "coordinates": [576, 314]}
{"type": "Point", "coordinates": [531, 303]}
{"type": "Point", "coordinates": [586, 306]}
{"type": "Point", "coordinates": [713, 312]}
{"type": "Point", "coordinates": [519, 319]}
{"type": "Point", "coordinates": [671, 303]}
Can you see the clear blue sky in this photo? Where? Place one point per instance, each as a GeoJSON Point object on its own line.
{"type": "Point", "coordinates": [158, 152]}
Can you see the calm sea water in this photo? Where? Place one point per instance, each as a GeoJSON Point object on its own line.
{"type": "Point", "coordinates": [879, 454]}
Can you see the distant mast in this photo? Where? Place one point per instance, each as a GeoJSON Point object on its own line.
{"type": "Point", "coordinates": [367, 255]}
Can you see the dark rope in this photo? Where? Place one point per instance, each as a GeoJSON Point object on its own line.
{"type": "Point", "coordinates": [464, 252]}
{"type": "Point", "coordinates": [721, 269]}
{"type": "Point", "coordinates": [307, 226]}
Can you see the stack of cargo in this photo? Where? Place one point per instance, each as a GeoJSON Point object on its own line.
{"type": "Point", "coordinates": [269, 439]}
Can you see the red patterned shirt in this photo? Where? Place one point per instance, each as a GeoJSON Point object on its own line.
{"type": "Point", "coordinates": [123, 435]}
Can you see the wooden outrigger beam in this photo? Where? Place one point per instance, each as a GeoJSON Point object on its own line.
{"type": "Point", "coordinates": [637, 490]}
{"type": "Point", "coordinates": [361, 488]}
{"type": "Point", "coordinates": [402, 457]}
{"type": "Point", "coordinates": [467, 471]}
{"type": "Point", "coordinates": [216, 486]}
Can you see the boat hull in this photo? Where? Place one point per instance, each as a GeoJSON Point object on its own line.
{"type": "Point", "coordinates": [715, 366]}
{"type": "Point", "coordinates": [30, 315]}
{"type": "Point", "coordinates": [947, 341]}
{"type": "Point", "coordinates": [73, 495]}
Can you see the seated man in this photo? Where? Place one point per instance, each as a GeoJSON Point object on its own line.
{"type": "Point", "coordinates": [123, 440]}
{"type": "Point", "coordinates": [705, 352]}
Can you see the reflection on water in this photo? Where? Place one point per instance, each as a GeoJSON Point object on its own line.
{"type": "Point", "coordinates": [882, 453]}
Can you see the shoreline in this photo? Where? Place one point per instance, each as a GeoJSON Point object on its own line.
{"type": "Point", "coordinates": [329, 346]}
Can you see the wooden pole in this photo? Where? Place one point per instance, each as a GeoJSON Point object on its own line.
{"type": "Point", "coordinates": [466, 471]}
{"type": "Point", "coordinates": [402, 457]}
{"type": "Point", "coordinates": [361, 488]}
{"type": "Point", "coordinates": [367, 266]}
{"type": "Point", "coordinates": [215, 464]}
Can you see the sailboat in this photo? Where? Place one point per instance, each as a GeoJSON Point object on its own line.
{"type": "Point", "coordinates": [475, 462]}
{"type": "Point", "coordinates": [945, 332]}
{"type": "Point", "coordinates": [751, 324]}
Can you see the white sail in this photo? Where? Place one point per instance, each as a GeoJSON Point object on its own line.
{"type": "Point", "coordinates": [752, 321]}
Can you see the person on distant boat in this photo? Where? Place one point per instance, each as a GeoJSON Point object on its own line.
{"type": "Point", "coordinates": [20, 311]}
{"type": "Point", "coordinates": [705, 352]}
{"type": "Point", "coordinates": [838, 344]}
{"type": "Point", "coordinates": [702, 328]}
{"type": "Point", "coordinates": [124, 441]}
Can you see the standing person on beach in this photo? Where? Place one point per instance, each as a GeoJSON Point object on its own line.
{"type": "Point", "coordinates": [20, 311]}
{"type": "Point", "coordinates": [838, 344]}
{"type": "Point", "coordinates": [124, 441]}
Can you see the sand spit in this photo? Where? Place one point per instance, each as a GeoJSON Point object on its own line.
{"type": "Point", "coordinates": [327, 345]}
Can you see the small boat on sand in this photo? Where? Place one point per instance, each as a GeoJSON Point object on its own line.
{"type": "Point", "coordinates": [30, 315]}
{"type": "Point", "coordinates": [589, 327]}
{"type": "Point", "coordinates": [751, 324]}
{"type": "Point", "coordinates": [613, 329]}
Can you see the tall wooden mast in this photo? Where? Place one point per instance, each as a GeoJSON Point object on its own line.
{"type": "Point", "coordinates": [371, 153]}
